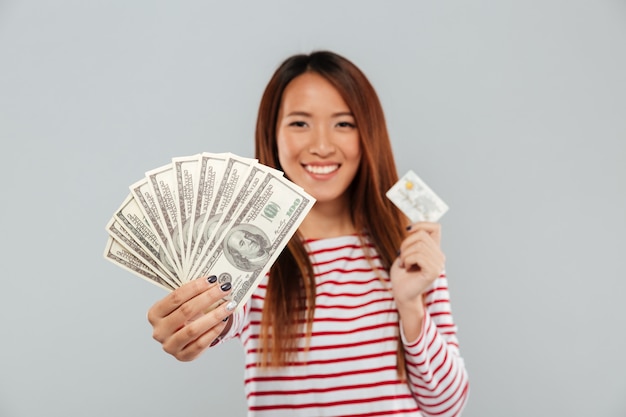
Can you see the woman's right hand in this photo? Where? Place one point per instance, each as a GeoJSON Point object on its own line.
{"type": "Point", "coordinates": [185, 322]}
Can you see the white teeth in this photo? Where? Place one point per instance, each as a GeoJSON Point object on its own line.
{"type": "Point", "coordinates": [323, 169]}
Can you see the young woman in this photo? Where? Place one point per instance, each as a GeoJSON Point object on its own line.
{"type": "Point", "coordinates": [354, 317]}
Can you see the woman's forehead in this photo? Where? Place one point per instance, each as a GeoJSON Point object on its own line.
{"type": "Point", "coordinates": [310, 92]}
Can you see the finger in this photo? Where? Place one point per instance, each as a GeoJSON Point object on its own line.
{"type": "Point", "coordinates": [180, 307]}
{"type": "Point", "coordinates": [430, 264]}
{"type": "Point", "coordinates": [189, 341]}
{"type": "Point", "coordinates": [199, 345]}
{"type": "Point", "coordinates": [418, 238]}
{"type": "Point", "coordinates": [433, 229]}
{"type": "Point", "coordinates": [176, 298]}
{"type": "Point", "coordinates": [424, 257]}
{"type": "Point", "coordinates": [420, 242]}
{"type": "Point", "coordinates": [201, 304]}
{"type": "Point", "coordinates": [190, 311]}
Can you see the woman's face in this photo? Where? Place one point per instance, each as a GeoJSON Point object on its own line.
{"type": "Point", "coordinates": [317, 137]}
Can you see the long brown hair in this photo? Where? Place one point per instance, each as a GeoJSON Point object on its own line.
{"type": "Point", "coordinates": [290, 296]}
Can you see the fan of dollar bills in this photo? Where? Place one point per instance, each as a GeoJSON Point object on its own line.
{"type": "Point", "coordinates": [206, 214]}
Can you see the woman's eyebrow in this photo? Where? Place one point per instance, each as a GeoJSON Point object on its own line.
{"type": "Point", "coordinates": [299, 113]}
{"type": "Point", "coordinates": [306, 114]}
{"type": "Point", "coordinates": [342, 113]}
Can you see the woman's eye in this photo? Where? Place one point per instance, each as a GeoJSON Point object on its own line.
{"type": "Point", "coordinates": [346, 124]}
{"type": "Point", "coordinates": [298, 123]}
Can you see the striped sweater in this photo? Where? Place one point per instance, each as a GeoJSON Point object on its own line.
{"type": "Point", "coordinates": [350, 368]}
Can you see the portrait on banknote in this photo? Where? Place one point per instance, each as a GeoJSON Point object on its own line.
{"type": "Point", "coordinates": [246, 247]}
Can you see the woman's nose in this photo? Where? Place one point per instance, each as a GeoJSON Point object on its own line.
{"type": "Point", "coordinates": [321, 142]}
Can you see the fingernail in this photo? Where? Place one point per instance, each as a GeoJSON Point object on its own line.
{"type": "Point", "coordinates": [215, 342]}
{"type": "Point", "coordinates": [231, 306]}
{"type": "Point", "coordinates": [225, 286]}
{"type": "Point", "coordinates": [212, 279]}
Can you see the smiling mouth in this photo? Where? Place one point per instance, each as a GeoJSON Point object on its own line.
{"type": "Point", "coordinates": [321, 169]}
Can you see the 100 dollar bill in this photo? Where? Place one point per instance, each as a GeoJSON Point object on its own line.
{"type": "Point", "coordinates": [132, 220]}
{"type": "Point", "coordinates": [235, 175]}
{"type": "Point", "coordinates": [122, 257]}
{"type": "Point", "coordinates": [256, 236]}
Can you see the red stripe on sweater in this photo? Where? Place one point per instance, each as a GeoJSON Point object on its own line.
{"type": "Point", "coordinates": [340, 346]}
{"type": "Point", "coordinates": [321, 390]}
{"type": "Point", "coordinates": [321, 376]}
{"type": "Point", "coordinates": [337, 360]}
{"type": "Point", "coordinates": [330, 404]}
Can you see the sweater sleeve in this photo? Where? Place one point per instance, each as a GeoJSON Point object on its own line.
{"type": "Point", "coordinates": [436, 372]}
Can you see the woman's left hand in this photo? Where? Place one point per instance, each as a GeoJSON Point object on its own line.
{"type": "Point", "coordinates": [419, 263]}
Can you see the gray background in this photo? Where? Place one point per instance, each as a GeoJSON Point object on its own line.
{"type": "Point", "coordinates": [513, 111]}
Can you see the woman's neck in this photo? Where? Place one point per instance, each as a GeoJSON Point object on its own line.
{"type": "Point", "coordinates": [327, 220]}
